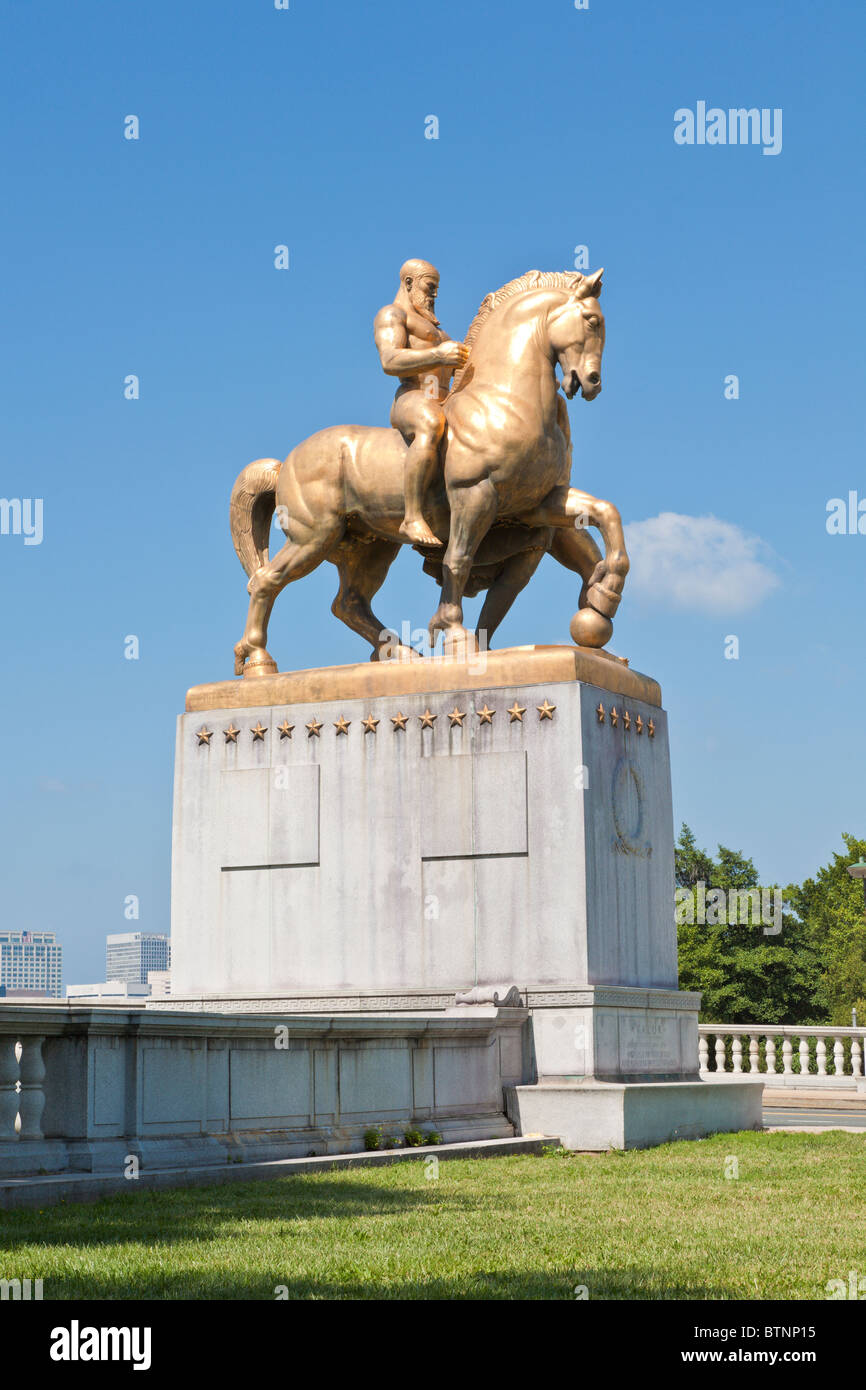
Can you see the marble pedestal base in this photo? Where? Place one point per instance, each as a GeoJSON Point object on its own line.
{"type": "Point", "coordinates": [601, 1115]}
{"type": "Point", "coordinates": [445, 835]}
{"type": "Point", "coordinates": [420, 829]}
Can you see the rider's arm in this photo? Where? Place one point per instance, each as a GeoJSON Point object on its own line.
{"type": "Point", "coordinates": [392, 336]}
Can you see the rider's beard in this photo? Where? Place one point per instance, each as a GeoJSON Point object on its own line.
{"type": "Point", "coordinates": [424, 306]}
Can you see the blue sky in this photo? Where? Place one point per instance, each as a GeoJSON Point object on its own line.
{"type": "Point", "coordinates": [305, 127]}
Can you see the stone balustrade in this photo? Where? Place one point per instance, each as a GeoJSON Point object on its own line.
{"type": "Point", "coordinates": [792, 1055]}
{"type": "Point", "coordinates": [87, 1090]}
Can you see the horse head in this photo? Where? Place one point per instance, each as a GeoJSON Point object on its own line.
{"type": "Point", "coordinates": [576, 332]}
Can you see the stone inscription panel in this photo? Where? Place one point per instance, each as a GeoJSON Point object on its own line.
{"type": "Point", "coordinates": [475, 807]}
{"type": "Point", "coordinates": [270, 817]}
{"type": "Point", "coordinates": [648, 1043]}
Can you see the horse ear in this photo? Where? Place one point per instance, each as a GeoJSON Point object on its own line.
{"type": "Point", "coordinates": [590, 286]}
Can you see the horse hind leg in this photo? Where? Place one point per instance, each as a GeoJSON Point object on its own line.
{"type": "Point", "coordinates": [362, 567]}
{"type": "Point", "coordinates": [515, 574]}
{"type": "Point", "coordinates": [295, 560]}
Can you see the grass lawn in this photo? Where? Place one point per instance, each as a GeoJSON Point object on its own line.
{"type": "Point", "coordinates": [660, 1223]}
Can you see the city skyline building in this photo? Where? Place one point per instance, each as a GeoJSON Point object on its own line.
{"type": "Point", "coordinates": [32, 961]}
{"type": "Point", "coordinates": [130, 955]}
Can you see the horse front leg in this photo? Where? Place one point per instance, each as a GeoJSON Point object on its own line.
{"type": "Point", "coordinates": [473, 510]}
{"type": "Point", "coordinates": [591, 626]}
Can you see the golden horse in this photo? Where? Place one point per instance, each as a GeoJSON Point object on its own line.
{"type": "Point", "coordinates": [502, 501]}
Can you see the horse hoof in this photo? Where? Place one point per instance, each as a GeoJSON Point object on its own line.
{"type": "Point", "coordinates": [458, 644]}
{"type": "Point", "coordinates": [395, 651]}
{"type": "Point", "coordinates": [590, 629]}
{"type": "Point", "coordinates": [260, 663]}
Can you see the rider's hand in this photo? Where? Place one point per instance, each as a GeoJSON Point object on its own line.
{"type": "Point", "coordinates": [452, 354]}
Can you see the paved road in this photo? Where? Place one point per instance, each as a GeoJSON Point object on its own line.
{"type": "Point", "coordinates": [799, 1118]}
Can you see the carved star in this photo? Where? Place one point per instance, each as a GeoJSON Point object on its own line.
{"type": "Point", "coordinates": [457, 716]}
{"type": "Point", "coordinates": [600, 712]}
{"type": "Point", "coordinates": [638, 725]}
{"type": "Point", "coordinates": [614, 716]}
{"type": "Point", "coordinates": [204, 736]}
{"type": "Point", "coordinates": [485, 715]}
{"type": "Point", "coordinates": [427, 719]}
{"type": "Point", "coordinates": [259, 732]}
{"type": "Point", "coordinates": [651, 729]}
{"type": "Point", "coordinates": [231, 734]}
{"type": "Point", "coordinates": [399, 721]}
{"type": "Point", "coordinates": [342, 726]}
{"type": "Point", "coordinates": [545, 711]}
{"type": "Point", "coordinates": [313, 728]}
{"type": "Point", "coordinates": [517, 712]}
{"type": "Point", "coordinates": [369, 724]}
{"type": "Point", "coordinates": [626, 719]}
{"type": "Point", "coordinates": [285, 729]}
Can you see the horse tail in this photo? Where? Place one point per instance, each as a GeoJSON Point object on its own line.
{"type": "Point", "coordinates": [252, 508]}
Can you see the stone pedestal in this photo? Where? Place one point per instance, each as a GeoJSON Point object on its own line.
{"type": "Point", "coordinates": [389, 836]}
{"type": "Point", "coordinates": [607, 1115]}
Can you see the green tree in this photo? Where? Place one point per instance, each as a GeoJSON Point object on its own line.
{"type": "Point", "coordinates": [744, 975]}
{"type": "Point", "coordinates": [829, 908]}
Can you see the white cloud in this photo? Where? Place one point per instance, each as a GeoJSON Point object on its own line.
{"type": "Point", "coordinates": [699, 563]}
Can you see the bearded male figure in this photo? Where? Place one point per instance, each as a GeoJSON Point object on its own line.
{"type": "Point", "coordinates": [413, 347]}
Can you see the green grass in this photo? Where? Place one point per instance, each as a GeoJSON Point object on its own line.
{"type": "Point", "coordinates": [661, 1223]}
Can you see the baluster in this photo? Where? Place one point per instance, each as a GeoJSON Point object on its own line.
{"type": "Point", "coordinates": [856, 1057]}
{"type": "Point", "coordinates": [804, 1056]}
{"type": "Point", "coordinates": [770, 1051]}
{"type": "Point", "coordinates": [821, 1057]}
{"type": "Point", "coordinates": [31, 1101]}
{"type": "Point", "coordinates": [754, 1059]}
{"type": "Point", "coordinates": [737, 1049]}
{"type": "Point", "coordinates": [8, 1090]}
{"type": "Point", "coordinates": [787, 1054]}
{"type": "Point", "coordinates": [720, 1052]}
{"type": "Point", "coordinates": [703, 1055]}
{"type": "Point", "coordinates": [839, 1057]}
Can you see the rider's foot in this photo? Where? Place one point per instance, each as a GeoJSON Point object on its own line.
{"type": "Point", "coordinates": [415, 529]}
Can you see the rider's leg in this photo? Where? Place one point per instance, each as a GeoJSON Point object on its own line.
{"type": "Point", "coordinates": [419, 467]}
{"type": "Point", "coordinates": [422, 424]}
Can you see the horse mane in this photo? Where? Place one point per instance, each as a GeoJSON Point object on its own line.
{"type": "Point", "coordinates": [532, 280]}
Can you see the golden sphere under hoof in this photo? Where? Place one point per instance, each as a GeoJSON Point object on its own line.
{"type": "Point", "coordinates": [590, 629]}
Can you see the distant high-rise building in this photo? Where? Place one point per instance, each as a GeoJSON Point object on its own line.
{"type": "Point", "coordinates": [31, 960]}
{"type": "Point", "coordinates": [130, 955]}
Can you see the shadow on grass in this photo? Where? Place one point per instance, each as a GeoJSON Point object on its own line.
{"type": "Point", "coordinates": [498, 1285]}
{"type": "Point", "coordinates": [204, 1213]}
{"type": "Point", "coordinates": [111, 1249]}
